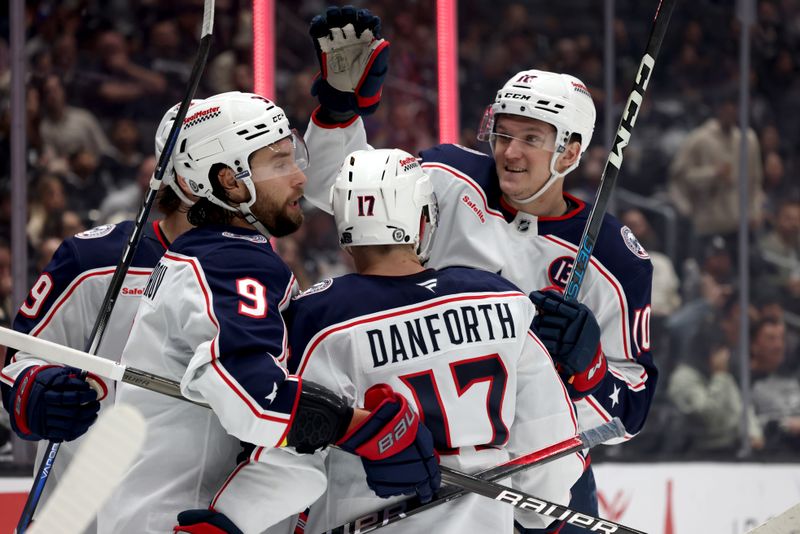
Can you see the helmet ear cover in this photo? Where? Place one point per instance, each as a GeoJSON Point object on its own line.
{"type": "Point", "coordinates": [170, 178]}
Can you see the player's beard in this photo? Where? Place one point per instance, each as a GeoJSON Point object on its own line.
{"type": "Point", "coordinates": [278, 217]}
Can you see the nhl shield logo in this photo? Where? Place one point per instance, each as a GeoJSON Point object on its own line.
{"type": "Point", "coordinates": [523, 225]}
{"type": "Point", "coordinates": [633, 244]}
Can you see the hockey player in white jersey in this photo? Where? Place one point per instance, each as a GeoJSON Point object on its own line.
{"type": "Point", "coordinates": [457, 341]}
{"type": "Point", "coordinates": [210, 318]}
{"type": "Point", "coordinates": [51, 402]}
{"type": "Point", "coordinates": [509, 214]}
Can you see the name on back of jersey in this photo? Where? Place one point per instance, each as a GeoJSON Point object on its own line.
{"type": "Point", "coordinates": [407, 337]}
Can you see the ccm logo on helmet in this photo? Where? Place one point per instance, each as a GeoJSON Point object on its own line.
{"type": "Point", "coordinates": [517, 96]}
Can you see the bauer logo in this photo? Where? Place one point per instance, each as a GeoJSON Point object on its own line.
{"type": "Point", "coordinates": [200, 116]}
{"type": "Point", "coordinates": [94, 233]}
{"type": "Point", "coordinates": [632, 243]}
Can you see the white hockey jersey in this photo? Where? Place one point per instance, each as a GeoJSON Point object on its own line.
{"type": "Point", "coordinates": [65, 300]}
{"type": "Point", "coordinates": [476, 229]}
{"type": "Point", "coordinates": [457, 344]}
{"type": "Point", "coordinates": [209, 318]}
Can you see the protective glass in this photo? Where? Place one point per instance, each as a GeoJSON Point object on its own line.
{"type": "Point", "coordinates": [284, 157]}
{"type": "Point", "coordinates": [533, 137]}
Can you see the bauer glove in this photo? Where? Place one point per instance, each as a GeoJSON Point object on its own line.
{"type": "Point", "coordinates": [353, 63]}
{"type": "Point", "coordinates": [52, 402]}
{"type": "Point", "coordinates": [396, 449]}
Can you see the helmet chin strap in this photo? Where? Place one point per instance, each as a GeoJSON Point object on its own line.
{"type": "Point", "coordinates": [244, 208]}
{"type": "Point", "coordinates": [554, 177]}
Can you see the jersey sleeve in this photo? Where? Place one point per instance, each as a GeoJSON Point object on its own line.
{"type": "Point", "coordinates": [624, 317]}
{"type": "Point", "coordinates": [239, 369]}
{"type": "Point", "coordinates": [53, 310]}
{"type": "Point", "coordinates": [329, 147]}
{"type": "Point", "coordinates": [544, 417]}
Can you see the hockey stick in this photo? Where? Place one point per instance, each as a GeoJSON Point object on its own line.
{"type": "Point", "coordinates": [401, 510]}
{"type": "Point", "coordinates": [104, 456]}
{"type": "Point", "coordinates": [786, 523]}
{"type": "Point", "coordinates": [98, 330]}
{"type": "Point", "coordinates": [119, 372]}
{"type": "Point", "coordinates": [611, 170]}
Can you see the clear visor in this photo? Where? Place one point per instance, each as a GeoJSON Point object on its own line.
{"type": "Point", "coordinates": [282, 158]}
{"type": "Point", "coordinates": [517, 129]}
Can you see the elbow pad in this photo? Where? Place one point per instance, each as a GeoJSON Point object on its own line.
{"type": "Point", "coordinates": [321, 418]}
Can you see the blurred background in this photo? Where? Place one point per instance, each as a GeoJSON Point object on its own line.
{"type": "Point", "coordinates": [100, 75]}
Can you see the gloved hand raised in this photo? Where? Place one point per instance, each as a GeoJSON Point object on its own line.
{"type": "Point", "coordinates": [52, 402]}
{"type": "Point", "coordinates": [353, 63]}
{"type": "Point", "coordinates": [571, 335]}
{"type": "Point", "coordinates": [396, 449]}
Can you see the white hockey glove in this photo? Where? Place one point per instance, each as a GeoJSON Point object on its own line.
{"type": "Point", "coordinates": [353, 61]}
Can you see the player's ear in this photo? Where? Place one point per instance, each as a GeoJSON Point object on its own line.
{"type": "Point", "coordinates": [235, 190]}
{"type": "Point", "coordinates": [570, 155]}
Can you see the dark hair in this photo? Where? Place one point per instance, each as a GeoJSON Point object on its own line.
{"type": "Point", "coordinates": [204, 212]}
{"type": "Point", "coordinates": [167, 201]}
{"type": "Point", "coordinates": [759, 325]}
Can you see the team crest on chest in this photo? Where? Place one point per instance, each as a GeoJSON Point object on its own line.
{"type": "Point", "coordinates": [632, 243]}
{"type": "Point", "coordinates": [559, 271]}
{"type": "Point", "coordinates": [98, 231]}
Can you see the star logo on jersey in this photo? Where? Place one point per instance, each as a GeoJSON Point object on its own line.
{"type": "Point", "coordinates": [429, 284]}
{"type": "Point", "coordinates": [271, 396]}
{"type": "Point", "coordinates": [614, 396]}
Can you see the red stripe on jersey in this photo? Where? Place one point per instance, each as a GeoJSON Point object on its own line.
{"type": "Point", "coordinates": [160, 235]}
{"type": "Point", "coordinates": [571, 213]}
{"type": "Point", "coordinates": [214, 342]}
{"type": "Point", "coordinates": [469, 182]}
{"type": "Point", "coordinates": [567, 398]}
{"type": "Point", "coordinates": [602, 270]}
{"type": "Point", "coordinates": [430, 304]}
{"type": "Point", "coordinates": [74, 285]}
{"type": "Point", "coordinates": [227, 482]}
{"type": "Point", "coordinates": [601, 412]}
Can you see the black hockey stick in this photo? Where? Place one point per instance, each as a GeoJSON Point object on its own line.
{"type": "Point", "coordinates": [610, 172]}
{"type": "Point", "coordinates": [401, 510]}
{"type": "Point", "coordinates": [119, 372]}
{"type": "Point", "coordinates": [121, 270]}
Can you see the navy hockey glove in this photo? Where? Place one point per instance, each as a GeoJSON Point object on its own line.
{"type": "Point", "coordinates": [205, 522]}
{"type": "Point", "coordinates": [571, 335]}
{"type": "Point", "coordinates": [396, 449]}
{"type": "Point", "coordinates": [52, 402]}
{"type": "Point", "coordinates": [353, 63]}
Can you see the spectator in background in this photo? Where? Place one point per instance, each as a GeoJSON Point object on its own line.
{"type": "Point", "coordinates": [776, 394]}
{"type": "Point", "coordinates": [703, 390]}
{"type": "Point", "coordinates": [67, 129]}
{"type": "Point", "coordinates": [704, 174]}
{"type": "Point", "coordinates": [125, 203]}
{"type": "Point", "coordinates": [122, 166]}
{"type": "Point", "coordinates": [780, 250]}
{"type": "Point", "coordinates": [48, 201]}
{"type": "Point", "coordinates": [6, 282]}
{"type": "Point", "coordinates": [84, 185]}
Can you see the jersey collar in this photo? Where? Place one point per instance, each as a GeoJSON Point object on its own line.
{"type": "Point", "coordinates": [575, 204]}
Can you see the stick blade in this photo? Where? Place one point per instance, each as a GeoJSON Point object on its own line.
{"type": "Point", "coordinates": [786, 523]}
{"type": "Point", "coordinates": [109, 448]}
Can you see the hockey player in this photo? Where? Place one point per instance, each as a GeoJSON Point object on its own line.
{"type": "Point", "coordinates": [509, 214]}
{"type": "Point", "coordinates": [210, 317]}
{"type": "Point", "coordinates": [456, 340]}
{"type": "Point", "coordinates": [52, 402]}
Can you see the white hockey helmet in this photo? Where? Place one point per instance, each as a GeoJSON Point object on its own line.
{"type": "Point", "coordinates": [162, 133]}
{"type": "Point", "coordinates": [382, 197]}
{"type": "Point", "coordinates": [557, 99]}
{"type": "Point", "coordinates": [227, 129]}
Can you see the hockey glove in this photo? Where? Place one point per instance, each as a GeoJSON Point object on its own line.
{"type": "Point", "coordinates": [205, 522]}
{"type": "Point", "coordinates": [52, 402]}
{"type": "Point", "coordinates": [353, 63]}
{"type": "Point", "coordinates": [571, 334]}
{"type": "Point", "coordinates": [396, 449]}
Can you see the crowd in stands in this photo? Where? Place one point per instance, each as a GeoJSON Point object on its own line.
{"type": "Point", "coordinates": [100, 75]}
